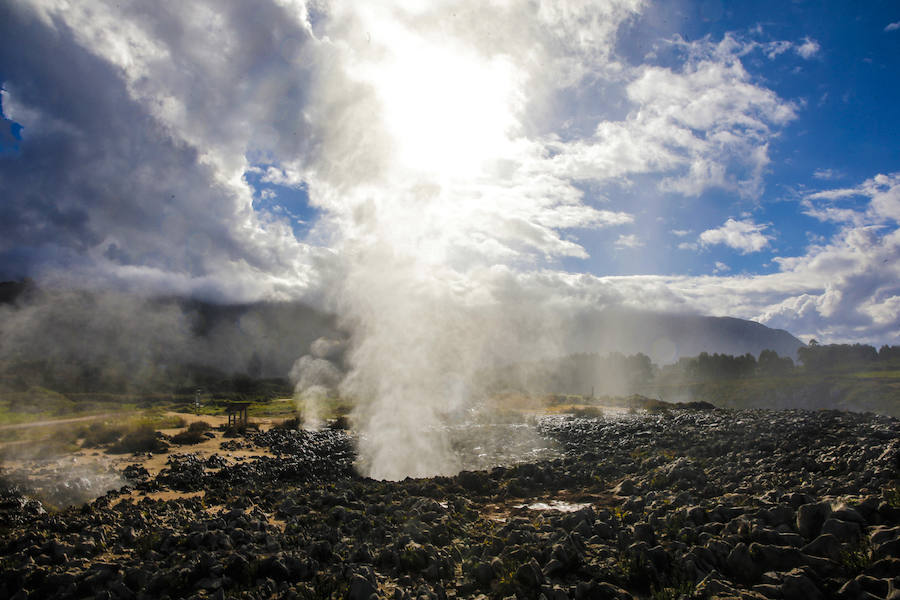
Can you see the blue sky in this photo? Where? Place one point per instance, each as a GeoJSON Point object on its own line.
{"type": "Point", "coordinates": [846, 127]}
{"type": "Point", "coordinates": [715, 157]}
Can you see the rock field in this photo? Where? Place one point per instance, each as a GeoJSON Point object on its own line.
{"type": "Point", "coordinates": [678, 504]}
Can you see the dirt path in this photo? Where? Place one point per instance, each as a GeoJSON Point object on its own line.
{"type": "Point", "coordinates": [52, 422]}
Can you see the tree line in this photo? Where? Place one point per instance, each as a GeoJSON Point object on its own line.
{"type": "Point", "coordinates": [616, 373]}
{"type": "Point", "coordinates": [815, 357]}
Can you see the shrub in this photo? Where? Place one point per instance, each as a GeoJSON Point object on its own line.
{"type": "Point", "coordinates": [858, 558]}
{"type": "Point", "coordinates": [100, 434]}
{"type": "Point", "coordinates": [142, 438]}
{"type": "Point", "coordinates": [236, 430]}
{"type": "Point", "coordinates": [342, 422]}
{"type": "Point", "coordinates": [199, 427]}
{"type": "Point", "coordinates": [188, 437]}
{"type": "Point", "coordinates": [588, 412]}
{"type": "Point", "coordinates": [292, 423]}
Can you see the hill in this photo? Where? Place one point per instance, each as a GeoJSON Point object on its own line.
{"type": "Point", "coordinates": [666, 337]}
{"type": "Point", "coordinates": [88, 341]}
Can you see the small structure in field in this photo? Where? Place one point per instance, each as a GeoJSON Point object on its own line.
{"type": "Point", "coordinates": [237, 414]}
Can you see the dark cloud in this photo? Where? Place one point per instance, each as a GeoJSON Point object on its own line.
{"type": "Point", "coordinates": [98, 179]}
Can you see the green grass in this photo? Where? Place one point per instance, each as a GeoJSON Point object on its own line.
{"type": "Point", "coordinates": [876, 375]}
{"type": "Point", "coordinates": [854, 391]}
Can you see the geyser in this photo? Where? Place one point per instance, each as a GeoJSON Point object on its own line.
{"type": "Point", "coordinates": [437, 197]}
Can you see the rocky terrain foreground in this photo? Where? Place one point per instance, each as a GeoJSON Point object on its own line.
{"type": "Point", "coordinates": [681, 504]}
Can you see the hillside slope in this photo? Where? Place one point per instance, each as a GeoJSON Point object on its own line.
{"type": "Point", "coordinates": [666, 337]}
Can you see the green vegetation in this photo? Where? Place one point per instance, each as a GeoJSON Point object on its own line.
{"type": "Point", "coordinates": [290, 423]}
{"type": "Point", "coordinates": [194, 434]}
{"type": "Point", "coordinates": [842, 376]}
{"type": "Point", "coordinates": [137, 434]}
{"type": "Point", "coordinates": [142, 438]}
{"type": "Point", "coordinates": [858, 558]}
{"type": "Point", "coordinates": [845, 377]}
{"type": "Point", "coordinates": [188, 438]}
{"type": "Point", "coordinates": [102, 433]}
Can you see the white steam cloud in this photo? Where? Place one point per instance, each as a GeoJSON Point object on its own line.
{"type": "Point", "coordinates": [443, 193]}
{"type": "Point", "coordinates": [316, 378]}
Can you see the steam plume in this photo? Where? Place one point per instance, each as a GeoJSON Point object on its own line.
{"type": "Point", "coordinates": [433, 212]}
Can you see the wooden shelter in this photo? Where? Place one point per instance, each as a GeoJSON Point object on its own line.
{"type": "Point", "coordinates": [237, 414]}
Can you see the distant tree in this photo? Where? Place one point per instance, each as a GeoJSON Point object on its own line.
{"type": "Point", "coordinates": [886, 353]}
{"type": "Point", "coordinates": [817, 357]}
{"type": "Point", "coordinates": [770, 364]}
{"type": "Point", "coordinates": [639, 368]}
{"type": "Point", "coordinates": [722, 366]}
{"type": "Point", "coordinates": [244, 385]}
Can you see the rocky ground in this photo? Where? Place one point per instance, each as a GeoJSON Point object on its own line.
{"type": "Point", "coordinates": [712, 503]}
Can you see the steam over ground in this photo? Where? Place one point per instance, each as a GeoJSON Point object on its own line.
{"type": "Point", "coordinates": [425, 171]}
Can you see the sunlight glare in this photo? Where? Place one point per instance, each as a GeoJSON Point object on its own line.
{"type": "Point", "coordinates": [451, 112]}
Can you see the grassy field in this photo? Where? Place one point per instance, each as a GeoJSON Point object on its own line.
{"type": "Point", "coordinates": [863, 390]}
{"type": "Point", "coordinates": [878, 375]}
{"type": "Point", "coordinates": [871, 391]}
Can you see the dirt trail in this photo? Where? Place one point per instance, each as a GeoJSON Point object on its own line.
{"type": "Point", "coordinates": [52, 422]}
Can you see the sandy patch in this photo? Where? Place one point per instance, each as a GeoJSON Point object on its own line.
{"type": "Point", "coordinates": [93, 471]}
{"type": "Point", "coordinates": [165, 495]}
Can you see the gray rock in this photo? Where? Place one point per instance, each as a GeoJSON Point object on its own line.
{"type": "Point", "coordinates": [715, 585]}
{"type": "Point", "coordinates": [797, 586]}
{"type": "Point", "coordinates": [626, 487]}
{"type": "Point", "coordinates": [845, 531]}
{"type": "Point", "coordinates": [554, 593]}
{"type": "Point", "coordinates": [890, 548]}
{"type": "Point", "coordinates": [846, 513]}
{"type": "Point", "coordinates": [360, 588]}
{"type": "Point", "coordinates": [697, 515]}
{"type": "Point", "coordinates": [810, 518]}
{"type": "Point", "coordinates": [767, 557]}
{"type": "Point", "coordinates": [768, 590]}
{"type": "Point", "coordinates": [414, 557]}
{"type": "Point", "coordinates": [604, 530]}
{"type": "Point", "coordinates": [741, 564]}
{"type": "Point", "coordinates": [886, 567]}
{"type": "Point", "coordinates": [608, 591]}
{"type": "Point", "coordinates": [683, 472]}
{"type": "Point", "coordinates": [873, 585]}
{"type": "Point", "coordinates": [882, 534]}
{"type": "Point", "coordinates": [643, 532]}
{"type": "Point", "coordinates": [529, 575]}
{"type": "Point", "coordinates": [826, 546]}
{"type": "Point", "coordinates": [483, 574]}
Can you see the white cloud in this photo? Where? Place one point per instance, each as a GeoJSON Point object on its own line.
{"type": "Point", "coordinates": [808, 48]}
{"type": "Point", "coordinates": [628, 241]}
{"type": "Point", "coordinates": [702, 124]}
{"type": "Point", "coordinates": [696, 124]}
{"type": "Point", "coordinates": [745, 236]}
{"type": "Point", "coordinates": [171, 139]}
{"type": "Point", "coordinates": [720, 267]}
{"type": "Point", "coordinates": [826, 174]}
{"type": "Point", "coordinates": [892, 26]}
{"type": "Point", "coordinates": [880, 194]}
{"type": "Point", "coordinates": [773, 49]}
